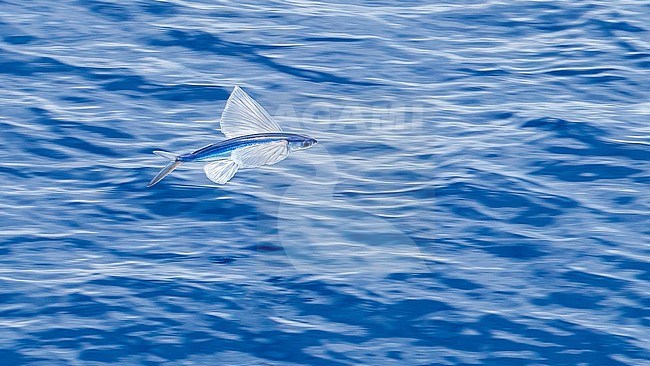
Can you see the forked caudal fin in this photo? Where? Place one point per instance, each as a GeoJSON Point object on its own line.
{"type": "Point", "coordinates": [164, 172]}
{"type": "Point", "coordinates": [173, 164]}
{"type": "Point", "coordinates": [165, 154]}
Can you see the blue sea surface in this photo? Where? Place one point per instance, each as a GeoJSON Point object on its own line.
{"type": "Point", "coordinates": [480, 193]}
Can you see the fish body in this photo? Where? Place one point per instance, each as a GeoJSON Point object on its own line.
{"type": "Point", "coordinates": [253, 139]}
{"type": "Point", "coordinates": [223, 149]}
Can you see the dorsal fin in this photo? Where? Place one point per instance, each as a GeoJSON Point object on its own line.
{"type": "Point", "coordinates": [244, 116]}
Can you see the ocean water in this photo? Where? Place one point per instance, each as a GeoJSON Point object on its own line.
{"type": "Point", "coordinates": [480, 193]}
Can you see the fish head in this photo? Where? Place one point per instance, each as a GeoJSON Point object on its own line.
{"type": "Point", "coordinates": [301, 142]}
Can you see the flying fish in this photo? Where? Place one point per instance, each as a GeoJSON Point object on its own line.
{"type": "Point", "coordinates": [253, 139]}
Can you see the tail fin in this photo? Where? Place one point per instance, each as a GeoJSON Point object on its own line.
{"type": "Point", "coordinates": [163, 173]}
{"type": "Point", "coordinates": [173, 164]}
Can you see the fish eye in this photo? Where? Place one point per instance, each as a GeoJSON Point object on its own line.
{"type": "Point", "coordinates": [306, 143]}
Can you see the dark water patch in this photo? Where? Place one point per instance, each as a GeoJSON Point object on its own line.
{"type": "Point", "coordinates": [76, 303]}
{"type": "Point", "coordinates": [641, 268]}
{"type": "Point", "coordinates": [221, 259]}
{"type": "Point", "coordinates": [117, 215]}
{"type": "Point", "coordinates": [19, 40]}
{"type": "Point", "coordinates": [83, 304]}
{"type": "Point", "coordinates": [125, 82]}
{"type": "Point", "coordinates": [594, 138]}
{"type": "Point", "coordinates": [206, 42]}
{"type": "Point", "coordinates": [586, 345]}
{"type": "Point", "coordinates": [139, 84]}
{"type": "Point", "coordinates": [602, 148]}
{"type": "Point", "coordinates": [547, 19]}
{"type": "Point", "coordinates": [589, 279]}
{"type": "Point", "coordinates": [576, 71]}
{"type": "Point", "coordinates": [112, 354]}
{"type": "Point", "coordinates": [642, 180]}
{"type": "Point", "coordinates": [491, 198]}
{"type": "Point", "coordinates": [11, 357]}
{"type": "Point", "coordinates": [157, 288]}
{"type": "Point", "coordinates": [636, 313]}
{"type": "Point", "coordinates": [160, 8]}
{"type": "Point", "coordinates": [603, 79]}
{"type": "Point", "coordinates": [16, 172]}
{"type": "Point", "coordinates": [331, 39]}
{"type": "Point", "coordinates": [570, 300]}
{"type": "Point", "coordinates": [44, 118]}
{"type": "Point", "coordinates": [57, 335]}
{"type": "Point", "coordinates": [484, 72]}
{"type": "Point", "coordinates": [497, 115]}
{"type": "Point", "coordinates": [537, 212]}
{"type": "Point", "coordinates": [168, 201]}
{"type": "Point", "coordinates": [628, 47]}
{"type": "Point", "coordinates": [563, 127]}
{"type": "Point", "coordinates": [624, 200]}
{"type": "Point", "coordinates": [459, 283]}
{"type": "Point", "coordinates": [523, 251]}
{"type": "Point", "coordinates": [265, 248]}
{"type": "Point", "coordinates": [506, 244]}
{"type": "Point", "coordinates": [85, 146]}
{"type": "Point", "coordinates": [584, 172]}
{"type": "Point", "coordinates": [463, 210]}
{"type": "Point", "coordinates": [13, 35]}
{"type": "Point", "coordinates": [108, 132]}
{"type": "Point", "coordinates": [113, 80]}
{"type": "Point", "coordinates": [538, 216]}
{"type": "Point", "coordinates": [636, 55]}
{"type": "Point", "coordinates": [608, 27]}
{"type": "Point", "coordinates": [161, 256]}
{"type": "Point", "coordinates": [108, 10]}
{"type": "Point", "coordinates": [46, 153]}
{"type": "Point", "coordinates": [190, 93]}
{"type": "Point", "coordinates": [76, 99]}
{"type": "Point", "coordinates": [360, 311]}
{"type": "Point", "coordinates": [268, 345]}
{"type": "Point", "coordinates": [34, 66]}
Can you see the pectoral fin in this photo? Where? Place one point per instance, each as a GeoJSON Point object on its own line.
{"type": "Point", "coordinates": [221, 171]}
{"type": "Point", "coordinates": [258, 155]}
